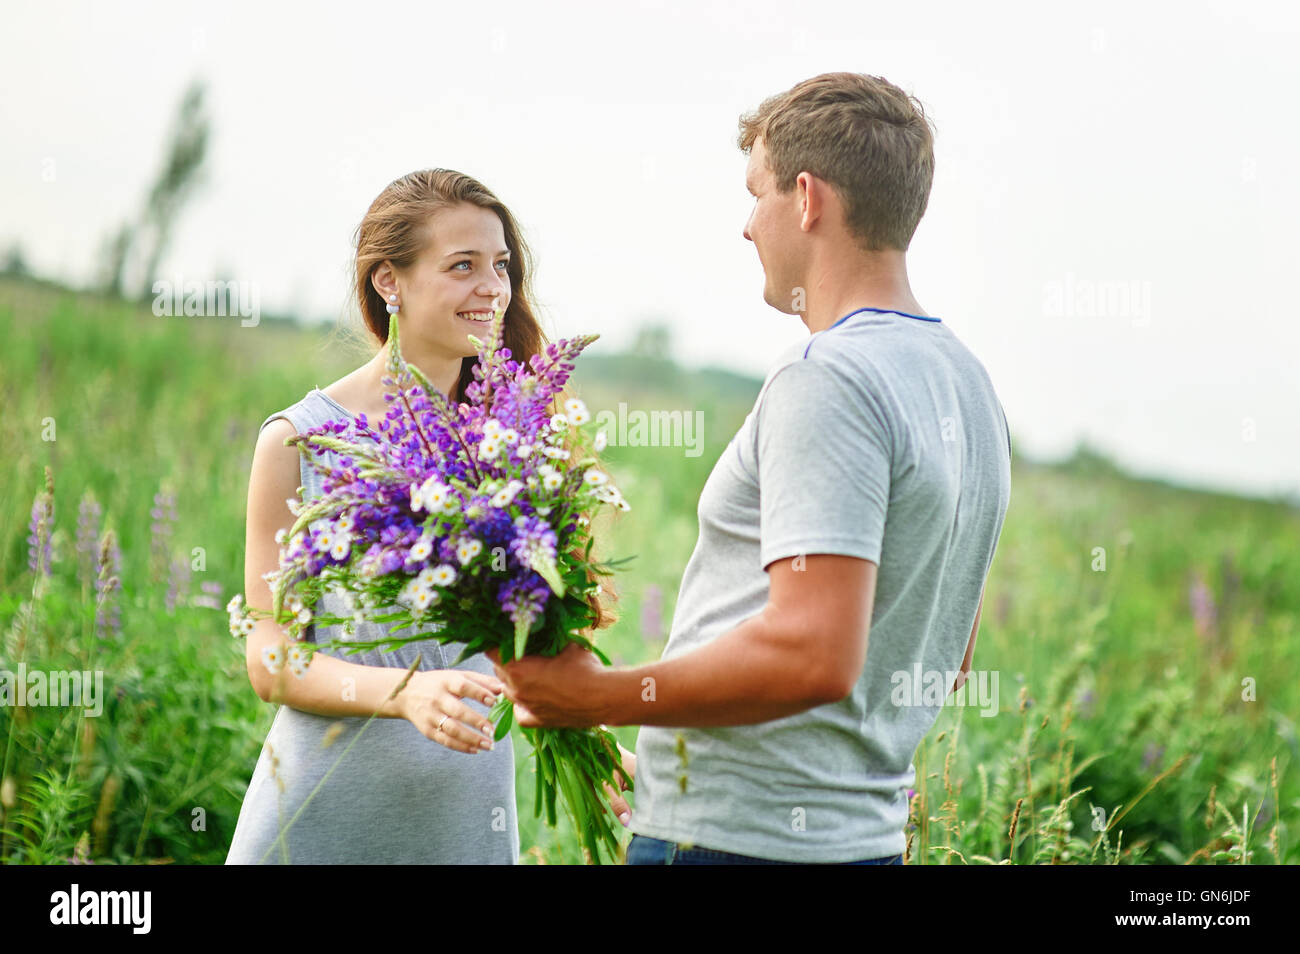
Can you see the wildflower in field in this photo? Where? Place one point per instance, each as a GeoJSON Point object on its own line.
{"type": "Point", "coordinates": [41, 528]}
{"type": "Point", "coordinates": [89, 514]}
{"type": "Point", "coordinates": [1201, 601]}
{"type": "Point", "coordinates": [178, 582]}
{"type": "Point", "coordinates": [210, 597]}
{"type": "Point", "coordinates": [599, 443]}
{"type": "Point", "coordinates": [108, 581]}
{"type": "Point", "coordinates": [164, 519]}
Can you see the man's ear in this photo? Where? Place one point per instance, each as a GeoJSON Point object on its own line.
{"type": "Point", "coordinates": [811, 199]}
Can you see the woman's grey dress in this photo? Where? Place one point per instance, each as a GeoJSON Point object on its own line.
{"type": "Point", "coordinates": [398, 797]}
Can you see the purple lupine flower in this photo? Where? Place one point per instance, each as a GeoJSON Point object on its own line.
{"type": "Point", "coordinates": [1086, 701]}
{"type": "Point", "coordinates": [651, 613]}
{"type": "Point", "coordinates": [178, 584]}
{"type": "Point", "coordinates": [523, 599]}
{"type": "Point", "coordinates": [210, 597]}
{"type": "Point", "coordinates": [534, 542]}
{"type": "Point", "coordinates": [39, 551]}
{"type": "Point", "coordinates": [1201, 601]}
{"type": "Point", "coordinates": [1151, 755]}
{"type": "Point", "coordinates": [164, 517]}
{"type": "Point", "coordinates": [88, 519]}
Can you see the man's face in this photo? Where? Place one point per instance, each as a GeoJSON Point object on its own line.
{"type": "Point", "coordinates": [773, 227]}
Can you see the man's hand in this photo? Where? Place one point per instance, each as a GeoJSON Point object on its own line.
{"type": "Point", "coordinates": [556, 691]}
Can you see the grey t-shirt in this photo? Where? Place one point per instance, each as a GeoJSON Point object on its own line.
{"type": "Point", "coordinates": [879, 438]}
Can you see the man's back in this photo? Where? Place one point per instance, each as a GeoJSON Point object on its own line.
{"type": "Point", "coordinates": [882, 439]}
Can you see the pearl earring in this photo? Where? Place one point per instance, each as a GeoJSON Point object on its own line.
{"type": "Point", "coordinates": [392, 304]}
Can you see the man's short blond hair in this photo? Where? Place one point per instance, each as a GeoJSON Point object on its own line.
{"type": "Point", "coordinates": [866, 137]}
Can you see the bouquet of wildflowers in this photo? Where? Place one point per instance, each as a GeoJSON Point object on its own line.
{"type": "Point", "coordinates": [466, 523]}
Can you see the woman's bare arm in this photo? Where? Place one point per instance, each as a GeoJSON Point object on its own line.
{"type": "Point", "coordinates": [330, 686]}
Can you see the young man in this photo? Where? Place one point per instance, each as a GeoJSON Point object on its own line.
{"type": "Point", "coordinates": [845, 533]}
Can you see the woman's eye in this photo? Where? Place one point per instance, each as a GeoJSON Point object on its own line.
{"type": "Point", "coordinates": [504, 262]}
{"type": "Point", "coordinates": [459, 264]}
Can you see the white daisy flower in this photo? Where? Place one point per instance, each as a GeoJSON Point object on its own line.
{"type": "Point", "coordinates": [444, 575]}
{"type": "Point", "coordinates": [594, 478]}
{"type": "Point", "coordinates": [433, 493]}
{"type": "Point", "coordinates": [426, 577]}
{"type": "Point", "coordinates": [510, 435]}
{"type": "Point", "coordinates": [416, 501]}
{"type": "Point", "coordinates": [552, 481]}
{"type": "Point", "coordinates": [304, 616]}
{"type": "Point", "coordinates": [491, 426]}
{"type": "Point", "coordinates": [506, 495]}
{"type": "Point", "coordinates": [324, 540]}
{"type": "Point", "coordinates": [468, 550]}
{"type": "Point", "coordinates": [559, 422]}
{"type": "Point", "coordinates": [296, 655]}
{"type": "Point", "coordinates": [576, 412]}
{"type": "Point", "coordinates": [532, 482]}
{"type": "Point", "coordinates": [601, 440]}
{"type": "Point", "coordinates": [422, 548]}
{"type": "Point", "coordinates": [489, 448]}
{"type": "Point", "coordinates": [282, 536]}
{"type": "Point", "coordinates": [295, 604]}
{"type": "Point", "coordinates": [346, 522]}
{"type": "Point", "coordinates": [555, 453]}
{"type": "Point", "coordinates": [247, 625]}
{"type": "Point", "coordinates": [622, 504]}
{"type": "Point", "coordinates": [341, 546]}
{"type": "Point", "coordinates": [235, 603]}
{"type": "Point", "coordinates": [272, 658]}
{"type": "Point", "coordinates": [524, 451]}
{"type": "Point", "coordinates": [423, 598]}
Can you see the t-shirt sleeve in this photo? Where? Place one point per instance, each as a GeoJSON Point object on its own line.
{"type": "Point", "coordinates": [823, 446]}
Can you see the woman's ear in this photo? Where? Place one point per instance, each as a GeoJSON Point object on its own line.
{"type": "Point", "coordinates": [384, 280]}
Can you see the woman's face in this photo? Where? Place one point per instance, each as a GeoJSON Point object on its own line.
{"type": "Point", "coordinates": [449, 292]}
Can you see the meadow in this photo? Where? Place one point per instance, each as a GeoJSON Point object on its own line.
{"type": "Point", "coordinates": [1144, 633]}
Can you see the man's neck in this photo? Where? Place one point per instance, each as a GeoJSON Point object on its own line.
{"type": "Point", "coordinates": [838, 286]}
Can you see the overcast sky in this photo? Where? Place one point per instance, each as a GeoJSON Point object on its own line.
{"type": "Point", "coordinates": [1112, 228]}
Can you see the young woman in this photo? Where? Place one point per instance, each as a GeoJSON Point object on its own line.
{"type": "Point", "coordinates": [424, 784]}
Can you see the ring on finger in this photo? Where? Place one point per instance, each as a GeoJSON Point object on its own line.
{"type": "Point", "coordinates": [444, 719]}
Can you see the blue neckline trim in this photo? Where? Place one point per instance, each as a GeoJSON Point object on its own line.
{"type": "Point", "coordinates": [882, 311]}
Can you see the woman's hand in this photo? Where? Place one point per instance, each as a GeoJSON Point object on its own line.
{"type": "Point", "coordinates": [433, 694]}
{"type": "Point", "coordinates": [617, 801]}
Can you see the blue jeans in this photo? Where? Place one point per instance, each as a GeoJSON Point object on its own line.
{"type": "Point", "coordinates": [643, 850]}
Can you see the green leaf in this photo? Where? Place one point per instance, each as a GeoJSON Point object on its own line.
{"type": "Point", "coordinates": [521, 637]}
{"type": "Point", "coordinates": [548, 572]}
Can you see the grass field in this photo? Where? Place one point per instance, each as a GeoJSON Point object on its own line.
{"type": "Point", "coordinates": [1148, 702]}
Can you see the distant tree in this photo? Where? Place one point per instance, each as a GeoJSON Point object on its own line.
{"type": "Point", "coordinates": [148, 238]}
{"type": "Point", "coordinates": [113, 258]}
{"type": "Point", "coordinates": [653, 340]}
{"type": "Point", "coordinates": [176, 181]}
{"type": "Point", "coordinates": [14, 263]}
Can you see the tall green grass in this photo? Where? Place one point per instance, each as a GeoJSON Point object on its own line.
{"type": "Point", "coordinates": [1125, 731]}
